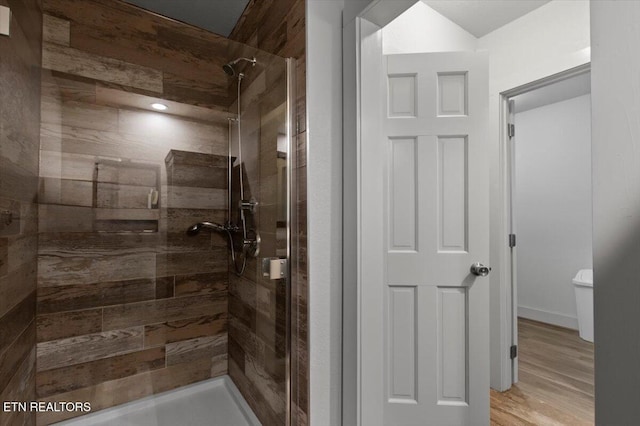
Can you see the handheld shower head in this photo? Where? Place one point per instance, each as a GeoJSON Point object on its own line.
{"type": "Point", "coordinates": [231, 71]}
{"type": "Point", "coordinates": [195, 229]}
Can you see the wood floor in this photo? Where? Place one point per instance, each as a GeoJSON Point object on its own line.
{"type": "Point", "coordinates": [555, 380]}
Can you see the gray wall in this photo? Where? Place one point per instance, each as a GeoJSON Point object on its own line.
{"type": "Point", "coordinates": [615, 94]}
{"type": "Point", "coordinates": [552, 207]}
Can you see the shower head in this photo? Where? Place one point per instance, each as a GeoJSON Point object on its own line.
{"type": "Point", "coordinates": [195, 229]}
{"type": "Point", "coordinates": [231, 71]}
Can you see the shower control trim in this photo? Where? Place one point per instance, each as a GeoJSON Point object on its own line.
{"type": "Point", "coordinates": [274, 268]}
{"type": "Point", "coordinates": [480, 270]}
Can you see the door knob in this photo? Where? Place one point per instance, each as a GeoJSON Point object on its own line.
{"type": "Point", "coordinates": [480, 270]}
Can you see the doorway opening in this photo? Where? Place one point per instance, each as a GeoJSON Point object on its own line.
{"type": "Point", "coordinates": [548, 144]}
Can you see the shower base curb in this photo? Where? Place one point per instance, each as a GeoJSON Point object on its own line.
{"type": "Point", "coordinates": [150, 402]}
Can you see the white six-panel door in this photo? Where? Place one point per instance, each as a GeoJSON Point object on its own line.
{"type": "Point", "coordinates": [435, 316]}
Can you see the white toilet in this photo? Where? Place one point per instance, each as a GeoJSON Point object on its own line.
{"type": "Point", "coordinates": [583, 285]}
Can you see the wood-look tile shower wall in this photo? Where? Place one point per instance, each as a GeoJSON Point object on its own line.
{"type": "Point", "coordinates": [278, 27]}
{"type": "Point", "coordinates": [127, 304]}
{"type": "Point", "coordinates": [20, 57]}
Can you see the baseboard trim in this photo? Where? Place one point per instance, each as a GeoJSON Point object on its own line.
{"type": "Point", "coordinates": [554, 318]}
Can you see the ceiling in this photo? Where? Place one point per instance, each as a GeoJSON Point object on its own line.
{"type": "Point", "coordinates": [556, 92]}
{"type": "Point", "coordinates": [480, 17]}
{"type": "Point", "coordinates": [218, 16]}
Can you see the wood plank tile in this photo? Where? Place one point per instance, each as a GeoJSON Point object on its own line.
{"type": "Point", "coordinates": [17, 286]}
{"type": "Point", "coordinates": [74, 61]}
{"type": "Point", "coordinates": [134, 314]}
{"type": "Point", "coordinates": [164, 287]}
{"type": "Point", "coordinates": [66, 379]}
{"type": "Point", "coordinates": [120, 98]}
{"type": "Point", "coordinates": [55, 30]}
{"type": "Point", "coordinates": [57, 218]}
{"type": "Point", "coordinates": [178, 220]}
{"type": "Point", "coordinates": [150, 124]}
{"type": "Point", "coordinates": [256, 401]}
{"type": "Point", "coordinates": [115, 392]}
{"type": "Point", "coordinates": [114, 145]}
{"type": "Point", "coordinates": [219, 365]}
{"type": "Point", "coordinates": [191, 328]}
{"type": "Point", "coordinates": [4, 258]}
{"type": "Point", "coordinates": [201, 283]}
{"type": "Point", "coordinates": [103, 244]}
{"type": "Point", "coordinates": [68, 324]}
{"type": "Point", "coordinates": [13, 355]}
{"type": "Point", "coordinates": [196, 262]}
{"type": "Point", "coordinates": [86, 268]}
{"type": "Point", "coordinates": [272, 391]}
{"type": "Point", "coordinates": [60, 87]}
{"type": "Point", "coordinates": [17, 320]}
{"type": "Point", "coordinates": [186, 351]}
{"type": "Point", "coordinates": [199, 177]}
{"type": "Point", "coordinates": [21, 387]}
{"type": "Point", "coordinates": [65, 192]}
{"type": "Point", "coordinates": [90, 347]}
{"type": "Point", "coordinates": [119, 196]}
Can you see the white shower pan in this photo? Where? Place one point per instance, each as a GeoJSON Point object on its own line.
{"type": "Point", "coordinates": [215, 402]}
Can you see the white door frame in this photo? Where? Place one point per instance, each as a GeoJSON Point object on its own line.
{"type": "Point", "coordinates": [362, 58]}
{"type": "Point", "coordinates": [509, 330]}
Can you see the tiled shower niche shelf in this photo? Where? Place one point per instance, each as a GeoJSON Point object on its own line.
{"type": "Point", "coordinates": [123, 196]}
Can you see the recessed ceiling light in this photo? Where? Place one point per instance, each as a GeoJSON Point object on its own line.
{"type": "Point", "coordinates": [159, 107]}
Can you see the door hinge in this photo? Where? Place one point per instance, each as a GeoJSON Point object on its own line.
{"type": "Point", "coordinates": [511, 130]}
{"type": "Point", "coordinates": [512, 240]}
{"type": "Point", "coordinates": [513, 352]}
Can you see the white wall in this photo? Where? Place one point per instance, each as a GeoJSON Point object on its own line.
{"type": "Point", "coordinates": [421, 29]}
{"type": "Point", "coordinates": [615, 95]}
{"type": "Point", "coordinates": [552, 207]}
{"type": "Point", "coordinates": [324, 189]}
{"type": "Point", "coordinates": [551, 39]}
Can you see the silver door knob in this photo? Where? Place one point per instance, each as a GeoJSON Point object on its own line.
{"type": "Point", "coordinates": [480, 270]}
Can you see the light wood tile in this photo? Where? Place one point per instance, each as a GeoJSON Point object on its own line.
{"type": "Point", "coordinates": [55, 30]}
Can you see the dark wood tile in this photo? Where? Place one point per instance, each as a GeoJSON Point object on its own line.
{"type": "Point", "coordinates": [66, 379]}
{"type": "Point", "coordinates": [60, 269]}
{"type": "Point", "coordinates": [67, 59]}
{"type": "Point", "coordinates": [115, 392]}
{"type": "Point", "coordinates": [197, 262]}
{"type": "Point", "coordinates": [256, 401]}
{"type": "Point", "coordinates": [90, 347]}
{"type": "Point", "coordinates": [164, 287]}
{"type": "Point", "coordinates": [17, 320]}
{"type": "Point", "coordinates": [13, 355]}
{"type": "Point", "coordinates": [4, 257]}
{"type": "Point", "coordinates": [21, 387]}
{"type": "Point", "coordinates": [84, 296]}
{"type": "Point", "coordinates": [16, 286]}
{"type": "Point", "coordinates": [190, 328]}
{"type": "Point", "coordinates": [68, 324]}
{"type": "Point", "coordinates": [135, 314]}
{"type": "Point", "coordinates": [192, 284]}
{"type": "Point", "coordinates": [186, 351]}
